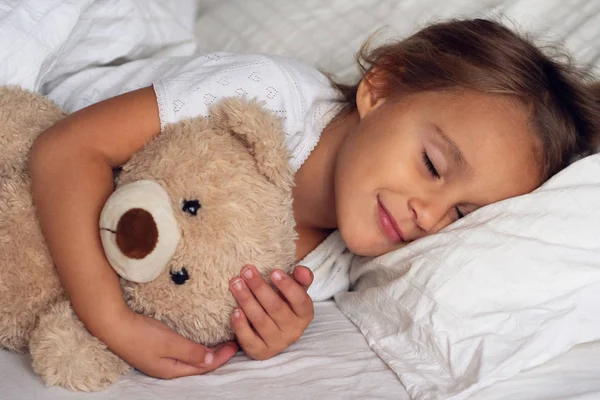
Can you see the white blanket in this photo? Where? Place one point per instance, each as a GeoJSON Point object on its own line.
{"type": "Point", "coordinates": [42, 41]}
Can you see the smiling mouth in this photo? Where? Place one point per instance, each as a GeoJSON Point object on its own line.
{"type": "Point", "coordinates": [388, 224]}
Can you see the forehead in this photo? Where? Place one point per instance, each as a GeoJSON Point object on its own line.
{"type": "Point", "coordinates": [494, 135]}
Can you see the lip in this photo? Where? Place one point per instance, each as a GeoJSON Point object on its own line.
{"type": "Point", "coordinates": [388, 224]}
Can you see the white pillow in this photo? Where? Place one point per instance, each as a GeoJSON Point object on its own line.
{"type": "Point", "coordinates": [505, 289]}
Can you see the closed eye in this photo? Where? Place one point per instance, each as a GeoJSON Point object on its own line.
{"type": "Point", "coordinates": [459, 214]}
{"type": "Point", "coordinates": [430, 166]}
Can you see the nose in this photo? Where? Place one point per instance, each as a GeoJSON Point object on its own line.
{"type": "Point", "coordinates": [428, 215]}
{"type": "Point", "coordinates": [136, 233]}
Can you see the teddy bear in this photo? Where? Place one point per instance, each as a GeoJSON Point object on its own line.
{"type": "Point", "coordinates": [203, 198]}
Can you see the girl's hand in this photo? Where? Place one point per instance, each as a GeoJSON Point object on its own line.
{"type": "Point", "coordinates": [153, 348]}
{"type": "Point", "coordinates": [268, 322]}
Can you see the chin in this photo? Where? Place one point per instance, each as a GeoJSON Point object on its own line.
{"type": "Point", "coordinates": [363, 244]}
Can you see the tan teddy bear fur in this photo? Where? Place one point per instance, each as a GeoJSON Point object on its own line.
{"type": "Point", "coordinates": [221, 184]}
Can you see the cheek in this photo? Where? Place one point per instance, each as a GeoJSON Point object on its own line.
{"type": "Point", "coordinates": [352, 202]}
{"type": "Point", "coordinates": [370, 162]}
{"type": "Point", "coordinates": [352, 164]}
{"type": "Point", "coordinates": [356, 187]}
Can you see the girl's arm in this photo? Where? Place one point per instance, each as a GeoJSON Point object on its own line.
{"type": "Point", "coordinates": [71, 170]}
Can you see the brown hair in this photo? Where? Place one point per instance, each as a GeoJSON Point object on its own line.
{"type": "Point", "coordinates": [486, 56]}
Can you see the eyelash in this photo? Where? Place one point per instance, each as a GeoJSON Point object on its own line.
{"type": "Point", "coordinates": [436, 175]}
{"type": "Point", "coordinates": [430, 166]}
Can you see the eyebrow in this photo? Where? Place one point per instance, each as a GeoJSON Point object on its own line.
{"type": "Point", "coordinates": [456, 153]}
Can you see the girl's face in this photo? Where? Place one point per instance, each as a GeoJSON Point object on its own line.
{"type": "Point", "coordinates": [412, 166]}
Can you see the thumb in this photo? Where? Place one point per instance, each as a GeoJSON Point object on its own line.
{"type": "Point", "coordinates": [195, 359]}
{"type": "Point", "coordinates": [303, 275]}
{"type": "Point", "coordinates": [188, 352]}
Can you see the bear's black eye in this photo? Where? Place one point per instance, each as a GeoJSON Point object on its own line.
{"type": "Point", "coordinates": [191, 207]}
{"type": "Point", "coordinates": [180, 277]}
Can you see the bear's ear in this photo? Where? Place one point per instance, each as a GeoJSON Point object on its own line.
{"type": "Point", "coordinates": [262, 132]}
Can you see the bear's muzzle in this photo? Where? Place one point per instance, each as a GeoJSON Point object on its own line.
{"type": "Point", "coordinates": [139, 231]}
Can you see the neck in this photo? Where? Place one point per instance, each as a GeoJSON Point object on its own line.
{"type": "Point", "coordinates": [314, 193]}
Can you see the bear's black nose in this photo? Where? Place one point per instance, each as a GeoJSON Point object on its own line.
{"type": "Point", "coordinates": [180, 277]}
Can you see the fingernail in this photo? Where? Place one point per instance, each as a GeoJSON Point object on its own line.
{"type": "Point", "coordinates": [237, 285]}
{"type": "Point", "coordinates": [208, 358]}
{"type": "Point", "coordinates": [277, 275]}
{"type": "Point", "coordinates": [236, 313]}
{"type": "Point", "coordinates": [247, 273]}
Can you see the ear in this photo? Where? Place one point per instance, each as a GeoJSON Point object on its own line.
{"type": "Point", "coordinates": [368, 94]}
{"type": "Point", "coordinates": [262, 132]}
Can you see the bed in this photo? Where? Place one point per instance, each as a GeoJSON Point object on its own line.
{"type": "Point", "coordinates": [332, 361]}
{"type": "Point", "coordinates": [336, 358]}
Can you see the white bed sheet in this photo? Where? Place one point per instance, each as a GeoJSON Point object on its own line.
{"type": "Point", "coordinates": [331, 361]}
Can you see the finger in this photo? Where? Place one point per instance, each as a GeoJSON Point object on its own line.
{"type": "Point", "coordinates": [231, 345]}
{"type": "Point", "coordinates": [170, 368]}
{"type": "Point", "coordinates": [258, 317]}
{"type": "Point", "coordinates": [224, 352]}
{"type": "Point", "coordinates": [268, 298]}
{"type": "Point", "coordinates": [248, 339]}
{"type": "Point", "coordinates": [304, 276]}
{"type": "Point", "coordinates": [175, 368]}
{"type": "Point", "coordinates": [294, 293]}
{"type": "Point", "coordinates": [188, 352]}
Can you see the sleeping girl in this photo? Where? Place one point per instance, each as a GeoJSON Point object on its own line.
{"type": "Point", "coordinates": [457, 116]}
